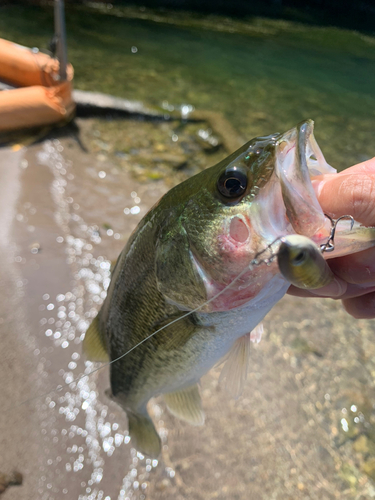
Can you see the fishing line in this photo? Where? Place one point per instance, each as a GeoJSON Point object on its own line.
{"type": "Point", "coordinates": [254, 262]}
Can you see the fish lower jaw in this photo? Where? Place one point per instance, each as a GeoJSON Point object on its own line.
{"type": "Point", "coordinates": [350, 237]}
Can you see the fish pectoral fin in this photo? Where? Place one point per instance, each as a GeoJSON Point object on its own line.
{"type": "Point", "coordinates": [94, 344]}
{"type": "Point", "coordinates": [186, 405]}
{"type": "Point", "coordinates": [235, 369]}
{"type": "Point", "coordinates": [256, 334]}
{"type": "Point", "coordinates": [143, 434]}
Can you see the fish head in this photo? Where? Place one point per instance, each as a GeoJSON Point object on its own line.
{"type": "Point", "coordinates": [217, 222]}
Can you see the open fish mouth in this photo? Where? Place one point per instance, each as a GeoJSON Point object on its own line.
{"type": "Point", "coordinates": [298, 159]}
{"type": "Point", "coordinates": [310, 154]}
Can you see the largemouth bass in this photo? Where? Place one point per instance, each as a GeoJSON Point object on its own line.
{"type": "Point", "coordinates": [194, 251]}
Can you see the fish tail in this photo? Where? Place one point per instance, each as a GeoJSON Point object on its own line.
{"type": "Point", "coordinates": [143, 433]}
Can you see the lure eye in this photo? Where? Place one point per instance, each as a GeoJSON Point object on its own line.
{"type": "Point", "coordinates": [232, 183]}
{"type": "Point", "coordinates": [300, 258]}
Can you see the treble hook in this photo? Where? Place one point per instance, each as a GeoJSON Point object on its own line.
{"type": "Point", "coordinates": [268, 260]}
{"type": "Point", "coordinates": [329, 246]}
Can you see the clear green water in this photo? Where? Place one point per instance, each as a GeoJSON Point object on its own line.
{"type": "Point", "coordinates": [264, 76]}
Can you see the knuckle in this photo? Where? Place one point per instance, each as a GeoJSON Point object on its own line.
{"type": "Point", "coordinates": [361, 191]}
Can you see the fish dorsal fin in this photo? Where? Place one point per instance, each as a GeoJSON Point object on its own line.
{"type": "Point", "coordinates": [186, 405]}
{"type": "Point", "coordinates": [235, 369]}
{"type": "Point", "coordinates": [94, 344]}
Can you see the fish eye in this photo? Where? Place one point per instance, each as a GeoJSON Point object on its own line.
{"type": "Point", "coordinates": [300, 258]}
{"type": "Point", "coordinates": [232, 183]}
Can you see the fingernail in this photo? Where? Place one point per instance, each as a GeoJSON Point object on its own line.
{"type": "Point", "coordinates": [336, 288]}
{"type": "Point", "coordinates": [317, 186]}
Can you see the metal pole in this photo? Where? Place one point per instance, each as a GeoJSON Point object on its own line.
{"type": "Point", "coordinates": [61, 49]}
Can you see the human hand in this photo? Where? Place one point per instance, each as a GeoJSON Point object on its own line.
{"type": "Point", "coordinates": [349, 192]}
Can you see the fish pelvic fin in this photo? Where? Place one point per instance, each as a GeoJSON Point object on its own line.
{"type": "Point", "coordinates": [186, 405]}
{"type": "Point", "coordinates": [143, 434]}
{"type": "Point", "coordinates": [94, 345]}
{"type": "Point", "coordinates": [234, 371]}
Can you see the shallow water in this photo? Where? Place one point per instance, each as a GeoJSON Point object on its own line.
{"type": "Point", "coordinates": [61, 277]}
{"type": "Point", "coordinates": [304, 427]}
{"type": "Point", "coordinates": [261, 82]}
{"type": "Point", "coordinates": [264, 76]}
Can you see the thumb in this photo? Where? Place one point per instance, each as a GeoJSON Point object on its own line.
{"type": "Point", "coordinates": [352, 192]}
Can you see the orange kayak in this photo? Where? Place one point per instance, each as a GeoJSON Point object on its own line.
{"type": "Point", "coordinates": [41, 98]}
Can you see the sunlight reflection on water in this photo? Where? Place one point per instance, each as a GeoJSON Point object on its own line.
{"type": "Point", "coordinates": [65, 320]}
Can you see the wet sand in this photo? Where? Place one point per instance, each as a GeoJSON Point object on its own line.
{"type": "Point", "coordinates": [62, 222]}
